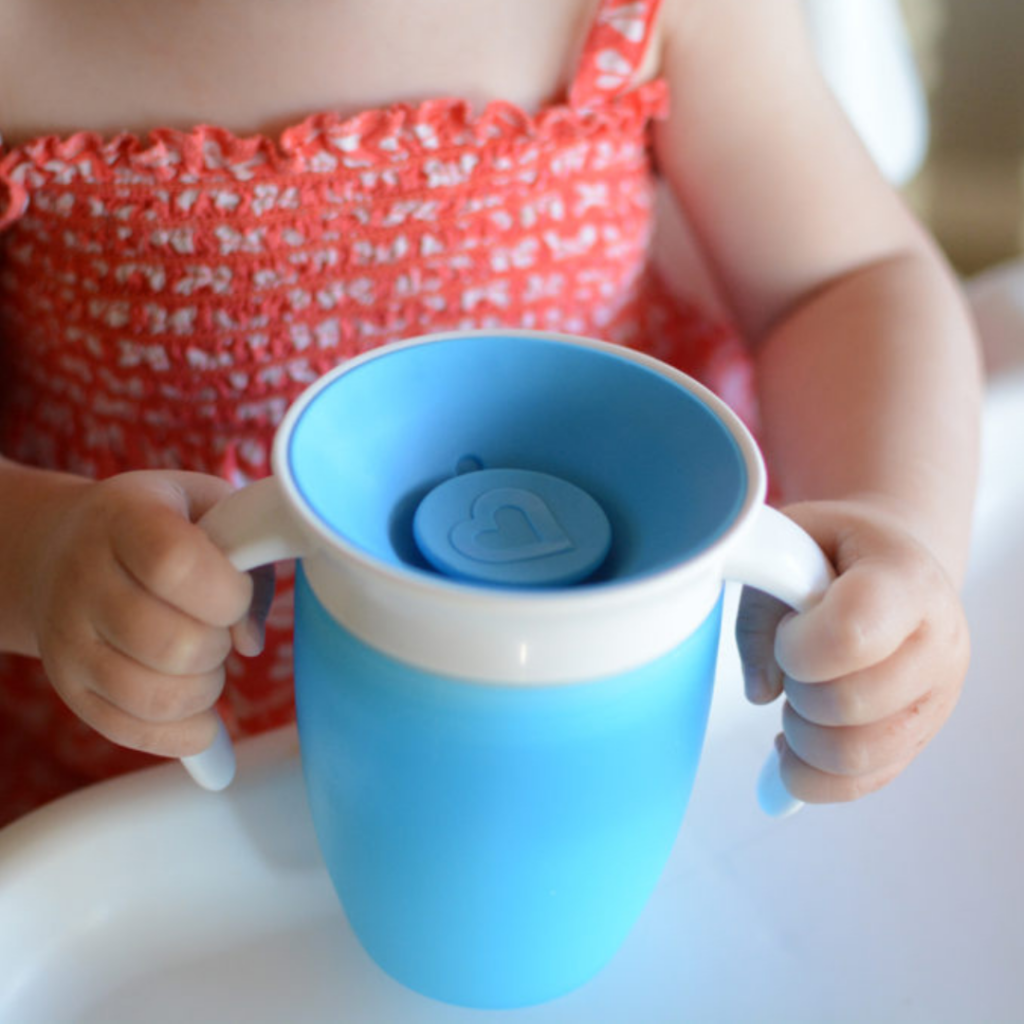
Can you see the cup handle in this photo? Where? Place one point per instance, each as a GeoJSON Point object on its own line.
{"type": "Point", "coordinates": [253, 527]}
{"type": "Point", "coordinates": [778, 557]}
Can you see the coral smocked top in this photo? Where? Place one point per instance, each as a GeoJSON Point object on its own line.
{"type": "Point", "coordinates": [162, 301]}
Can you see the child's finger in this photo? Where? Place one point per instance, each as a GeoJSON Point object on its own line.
{"type": "Point", "coordinates": [864, 618]}
{"type": "Point", "coordinates": [813, 786]}
{"type": "Point", "coordinates": [756, 622]}
{"type": "Point", "coordinates": [174, 560]}
{"type": "Point", "coordinates": [863, 750]}
{"type": "Point", "coordinates": [248, 634]}
{"type": "Point", "coordinates": [137, 691]}
{"type": "Point", "coordinates": [157, 635]}
{"type": "Point", "coordinates": [182, 738]}
{"type": "Point", "coordinates": [160, 717]}
{"type": "Point", "coordinates": [871, 694]}
{"type": "Point", "coordinates": [157, 699]}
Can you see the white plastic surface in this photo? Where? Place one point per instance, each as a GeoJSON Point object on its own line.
{"type": "Point", "coordinates": [772, 796]}
{"type": "Point", "coordinates": [780, 558]}
{"type": "Point", "coordinates": [149, 900]}
{"type": "Point", "coordinates": [254, 527]}
{"type": "Point", "coordinates": [495, 635]}
{"type": "Point", "coordinates": [214, 768]}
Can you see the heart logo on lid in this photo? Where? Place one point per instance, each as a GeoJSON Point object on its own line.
{"type": "Point", "coordinates": [509, 524]}
{"type": "Point", "coordinates": [511, 528]}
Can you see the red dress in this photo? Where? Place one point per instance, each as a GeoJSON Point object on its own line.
{"type": "Point", "coordinates": [163, 300]}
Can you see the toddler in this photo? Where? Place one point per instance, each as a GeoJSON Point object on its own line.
{"type": "Point", "coordinates": [205, 204]}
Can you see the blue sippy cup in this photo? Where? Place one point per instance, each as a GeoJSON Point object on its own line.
{"type": "Point", "coordinates": [512, 553]}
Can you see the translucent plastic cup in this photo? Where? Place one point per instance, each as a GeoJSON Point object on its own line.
{"type": "Point", "coordinates": [498, 771]}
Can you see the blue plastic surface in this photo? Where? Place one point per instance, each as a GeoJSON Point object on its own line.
{"type": "Point", "coordinates": [492, 846]}
{"type": "Point", "coordinates": [512, 527]}
{"type": "Point", "coordinates": [668, 475]}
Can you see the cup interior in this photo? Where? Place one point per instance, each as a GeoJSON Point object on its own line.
{"type": "Point", "coordinates": [375, 438]}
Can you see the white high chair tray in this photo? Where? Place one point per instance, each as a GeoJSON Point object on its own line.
{"type": "Point", "coordinates": [148, 900]}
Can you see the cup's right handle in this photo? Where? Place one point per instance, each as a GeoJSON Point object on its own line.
{"type": "Point", "coordinates": [781, 559]}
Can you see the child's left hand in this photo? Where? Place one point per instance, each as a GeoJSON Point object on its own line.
{"type": "Point", "coordinates": [873, 671]}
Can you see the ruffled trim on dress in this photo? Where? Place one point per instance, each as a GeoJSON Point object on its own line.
{"type": "Point", "coordinates": [324, 143]}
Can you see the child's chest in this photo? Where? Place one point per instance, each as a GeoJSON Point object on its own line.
{"type": "Point", "coordinates": [261, 65]}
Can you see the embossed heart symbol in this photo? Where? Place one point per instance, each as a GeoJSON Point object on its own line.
{"type": "Point", "coordinates": [509, 524]}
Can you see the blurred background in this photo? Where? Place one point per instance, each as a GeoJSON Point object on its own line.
{"type": "Point", "coordinates": [970, 187]}
{"type": "Point", "coordinates": [936, 88]}
{"type": "Point", "coordinates": [936, 91]}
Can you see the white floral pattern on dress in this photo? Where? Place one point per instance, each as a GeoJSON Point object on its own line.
{"type": "Point", "coordinates": [163, 302]}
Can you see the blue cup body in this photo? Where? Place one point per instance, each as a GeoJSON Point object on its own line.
{"type": "Point", "coordinates": [497, 782]}
{"type": "Point", "coordinates": [493, 845]}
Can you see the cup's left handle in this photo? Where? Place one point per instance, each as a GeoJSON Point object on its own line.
{"type": "Point", "coordinates": [253, 527]}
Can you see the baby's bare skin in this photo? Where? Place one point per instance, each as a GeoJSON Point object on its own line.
{"type": "Point", "coordinates": [133, 610]}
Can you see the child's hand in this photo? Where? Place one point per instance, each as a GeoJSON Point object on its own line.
{"type": "Point", "coordinates": [134, 609]}
{"type": "Point", "coordinates": [870, 673]}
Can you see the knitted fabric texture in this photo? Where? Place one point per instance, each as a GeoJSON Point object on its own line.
{"type": "Point", "coordinates": [163, 300]}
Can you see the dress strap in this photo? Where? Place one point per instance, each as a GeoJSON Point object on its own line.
{"type": "Point", "coordinates": [13, 197]}
{"type": "Point", "coordinates": [613, 51]}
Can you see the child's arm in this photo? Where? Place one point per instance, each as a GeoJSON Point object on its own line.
{"type": "Point", "coordinates": [868, 379]}
{"type": "Point", "coordinates": [130, 606]}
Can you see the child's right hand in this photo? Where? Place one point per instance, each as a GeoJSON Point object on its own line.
{"type": "Point", "coordinates": [135, 609]}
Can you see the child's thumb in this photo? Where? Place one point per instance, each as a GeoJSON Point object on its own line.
{"type": "Point", "coordinates": [248, 635]}
{"type": "Point", "coordinates": [756, 622]}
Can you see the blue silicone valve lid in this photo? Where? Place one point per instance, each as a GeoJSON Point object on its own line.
{"type": "Point", "coordinates": [512, 528]}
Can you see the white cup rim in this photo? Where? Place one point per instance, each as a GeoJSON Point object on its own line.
{"type": "Point", "coordinates": [328, 541]}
